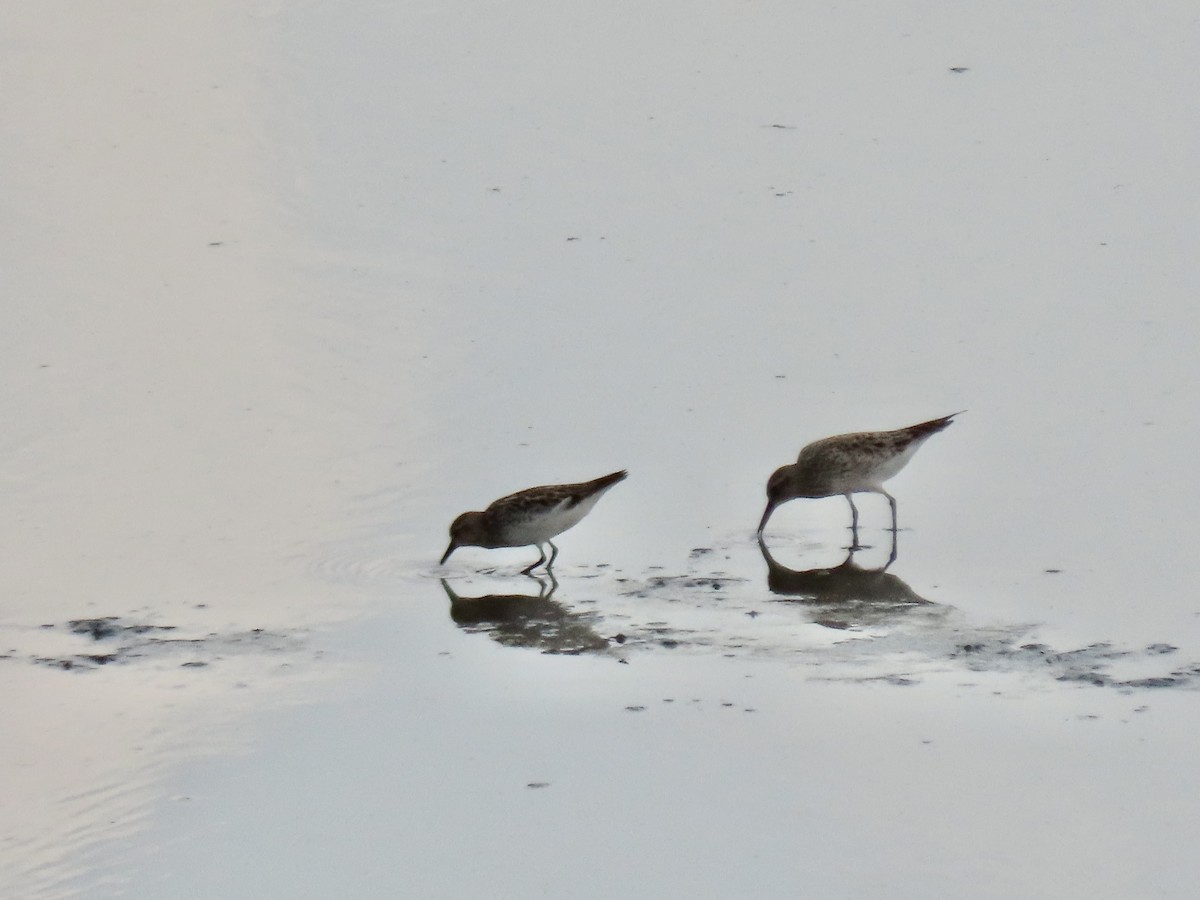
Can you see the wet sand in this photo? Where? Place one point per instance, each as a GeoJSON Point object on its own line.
{"type": "Point", "coordinates": [290, 286]}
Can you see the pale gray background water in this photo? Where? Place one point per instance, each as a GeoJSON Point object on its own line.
{"type": "Point", "coordinates": [517, 244]}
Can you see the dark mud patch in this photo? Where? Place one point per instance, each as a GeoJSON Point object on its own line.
{"type": "Point", "coordinates": [124, 642]}
{"type": "Point", "coordinates": [840, 621]}
{"type": "Point", "coordinates": [1089, 665]}
{"type": "Point", "coordinates": [871, 627]}
{"type": "Point", "coordinates": [110, 627]}
{"type": "Point", "coordinates": [844, 624]}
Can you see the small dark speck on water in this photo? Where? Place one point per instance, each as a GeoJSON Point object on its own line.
{"type": "Point", "coordinates": [538, 784]}
{"type": "Point", "coordinates": [1053, 571]}
{"type": "Point", "coordinates": [958, 70]}
{"type": "Point", "coordinates": [635, 709]}
{"type": "Point", "coordinates": [727, 704]}
{"type": "Point", "coordinates": [619, 638]}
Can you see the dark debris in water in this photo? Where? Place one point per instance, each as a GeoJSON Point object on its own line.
{"type": "Point", "coordinates": [1161, 681]}
{"type": "Point", "coordinates": [1159, 649]}
{"type": "Point", "coordinates": [138, 641]}
{"type": "Point", "coordinates": [673, 588]}
{"type": "Point", "coordinates": [81, 661]}
{"type": "Point", "coordinates": [110, 627]}
{"type": "Point", "coordinates": [844, 623]}
{"type": "Point", "coordinates": [1086, 665]}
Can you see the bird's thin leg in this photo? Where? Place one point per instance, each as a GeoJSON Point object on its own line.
{"type": "Point", "coordinates": [553, 554]}
{"type": "Point", "coordinates": [541, 559]}
{"type": "Point", "coordinates": [854, 544]}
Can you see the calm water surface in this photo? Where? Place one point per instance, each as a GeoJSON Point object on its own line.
{"type": "Point", "coordinates": [526, 247]}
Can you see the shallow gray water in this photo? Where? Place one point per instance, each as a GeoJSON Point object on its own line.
{"type": "Point", "coordinates": [508, 245]}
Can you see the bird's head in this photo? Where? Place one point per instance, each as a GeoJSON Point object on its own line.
{"type": "Point", "coordinates": [778, 490]}
{"type": "Point", "coordinates": [467, 530]}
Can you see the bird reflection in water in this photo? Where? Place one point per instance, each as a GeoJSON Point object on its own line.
{"type": "Point", "coordinates": [526, 620]}
{"type": "Point", "coordinates": [846, 595]}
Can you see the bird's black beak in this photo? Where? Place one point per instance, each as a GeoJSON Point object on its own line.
{"type": "Point", "coordinates": [445, 556]}
{"type": "Point", "coordinates": [766, 515]}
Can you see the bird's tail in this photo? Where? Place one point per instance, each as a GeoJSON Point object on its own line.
{"type": "Point", "coordinates": [933, 425]}
{"type": "Point", "coordinates": [607, 481]}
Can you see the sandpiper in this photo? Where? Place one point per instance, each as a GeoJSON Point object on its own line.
{"type": "Point", "coordinates": [848, 464]}
{"type": "Point", "coordinates": [529, 518]}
